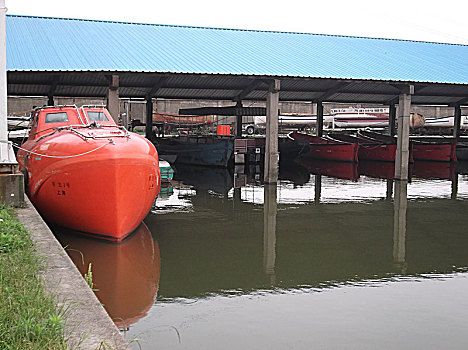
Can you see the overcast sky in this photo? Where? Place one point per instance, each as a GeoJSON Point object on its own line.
{"type": "Point", "coordinates": [424, 20]}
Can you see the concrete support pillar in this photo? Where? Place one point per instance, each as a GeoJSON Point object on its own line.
{"type": "Point", "coordinates": [269, 230]}
{"type": "Point", "coordinates": [12, 189]}
{"type": "Point", "coordinates": [239, 119]}
{"type": "Point", "coordinates": [392, 119]}
{"type": "Point", "coordinates": [457, 121]}
{"type": "Point", "coordinates": [11, 181]}
{"type": "Point", "coordinates": [113, 102]}
{"type": "Point", "coordinates": [400, 205]}
{"type": "Point", "coordinates": [149, 118]}
{"type": "Point", "coordinates": [271, 146]}
{"type": "Point", "coordinates": [402, 152]}
{"type": "Point", "coordinates": [319, 118]}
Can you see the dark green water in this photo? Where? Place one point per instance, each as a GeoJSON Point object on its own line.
{"type": "Point", "coordinates": [317, 262]}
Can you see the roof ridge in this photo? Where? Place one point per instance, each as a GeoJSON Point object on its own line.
{"type": "Point", "coordinates": [231, 29]}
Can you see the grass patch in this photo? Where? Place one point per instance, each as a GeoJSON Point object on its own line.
{"type": "Point", "coordinates": [29, 319]}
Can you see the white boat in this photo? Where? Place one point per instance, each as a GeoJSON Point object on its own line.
{"type": "Point", "coordinates": [294, 120]}
{"type": "Point", "coordinates": [359, 120]}
{"type": "Point", "coordinates": [446, 122]}
{"type": "Point", "coordinates": [18, 122]}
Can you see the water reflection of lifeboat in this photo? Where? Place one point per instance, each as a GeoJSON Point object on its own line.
{"type": "Point", "coordinates": [340, 170]}
{"type": "Point", "coordinates": [126, 275]}
{"type": "Point", "coordinates": [86, 173]}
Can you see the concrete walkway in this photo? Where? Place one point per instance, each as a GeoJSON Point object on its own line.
{"type": "Point", "coordinates": [86, 318]}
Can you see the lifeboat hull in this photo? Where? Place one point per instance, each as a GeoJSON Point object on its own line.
{"type": "Point", "coordinates": [105, 193]}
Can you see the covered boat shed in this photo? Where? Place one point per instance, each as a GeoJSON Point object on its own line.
{"type": "Point", "coordinates": [89, 58]}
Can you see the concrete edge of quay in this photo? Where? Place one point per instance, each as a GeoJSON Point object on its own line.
{"type": "Point", "coordinates": [85, 317]}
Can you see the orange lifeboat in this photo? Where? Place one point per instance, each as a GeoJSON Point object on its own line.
{"type": "Point", "coordinates": [86, 173]}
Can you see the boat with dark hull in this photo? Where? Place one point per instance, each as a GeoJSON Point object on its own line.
{"type": "Point", "coordinates": [86, 173]}
{"type": "Point", "coordinates": [252, 149]}
{"type": "Point", "coordinates": [207, 150]}
{"type": "Point", "coordinates": [328, 148]}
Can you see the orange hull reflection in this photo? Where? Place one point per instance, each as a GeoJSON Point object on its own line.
{"type": "Point", "coordinates": [126, 274]}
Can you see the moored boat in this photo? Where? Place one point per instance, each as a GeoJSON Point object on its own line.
{"type": "Point", "coordinates": [86, 173]}
{"type": "Point", "coordinates": [369, 149]}
{"type": "Point", "coordinates": [252, 149]}
{"type": "Point", "coordinates": [353, 120]}
{"type": "Point", "coordinates": [207, 150]}
{"type": "Point", "coordinates": [440, 150]}
{"type": "Point", "coordinates": [328, 148]}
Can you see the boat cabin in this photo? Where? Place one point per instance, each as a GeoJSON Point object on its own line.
{"type": "Point", "coordinates": [49, 118]}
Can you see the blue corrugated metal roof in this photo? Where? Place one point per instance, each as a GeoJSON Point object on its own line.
{"type": "Point", "coordinates": [57, 44]}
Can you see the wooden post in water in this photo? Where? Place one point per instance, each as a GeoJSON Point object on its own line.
{"type": "Point", "coordinates": [319, 118]}
{"type": "Point", "coordinates": [149, 118]}
{"type": "Point", "coordinates": [402, 152]}
{"type": "Point", "coordinates": [271, 146]}
{"type": "Point", "coordinates": [457, 121]}
{"type": "Point", "coordinates": [113, 102]}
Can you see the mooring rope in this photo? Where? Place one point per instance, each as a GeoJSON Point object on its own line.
{"type": "Point", "coordinates": [59, 157]}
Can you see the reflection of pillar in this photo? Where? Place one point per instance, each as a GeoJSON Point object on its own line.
{"type": "Point", "coordinates": [269, 231]}
{"type": "Point", "coordinates": [318, 188]}
{"type": "Point", "coordinates": [399, 223]}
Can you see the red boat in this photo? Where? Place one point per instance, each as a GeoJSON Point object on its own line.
{"type": "Point", "coordinates": [329, 149]}
{"type": "Point", "coordinates": [369, 149]}
{"type": "Point", "coordinates": [433, 150]}
{"type": "Point", "coordinates": [86, 173]}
